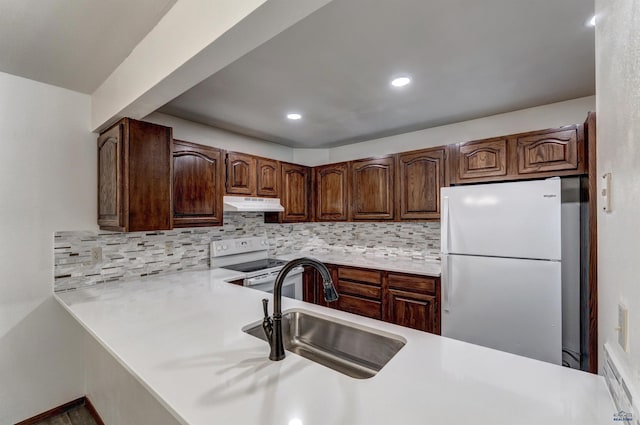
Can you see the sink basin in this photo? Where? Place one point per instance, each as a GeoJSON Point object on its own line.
{"type": "Point", "coordinates": [351, 349]}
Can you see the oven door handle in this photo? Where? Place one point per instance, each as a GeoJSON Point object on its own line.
{"type": "Point", "coordinates": [271, 277]}
{"type": "Point", "coordinates": [258, 280]}
{"type": "Point", "coordinates": [296, 271]}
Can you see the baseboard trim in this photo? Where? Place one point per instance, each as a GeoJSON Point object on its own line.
{"type": "Point", "coordinates": [93, 412]}
{"type": "Point", "coordinates": [63, 408]}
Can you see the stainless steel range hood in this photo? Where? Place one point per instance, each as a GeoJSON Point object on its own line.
{"type": "Point", "coordinates": [242, 203]}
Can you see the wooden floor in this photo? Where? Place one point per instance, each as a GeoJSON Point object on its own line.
{"type": "Point", "coordinates": [76, 416]}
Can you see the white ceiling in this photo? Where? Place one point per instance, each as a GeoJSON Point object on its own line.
{"type": "Point", "coordinates": [467, 58]}
{"type": "Point", "coordinates": [75, 44]}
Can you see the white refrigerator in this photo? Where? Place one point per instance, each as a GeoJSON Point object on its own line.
{"type": "Point", "coordinates": [501, 268]}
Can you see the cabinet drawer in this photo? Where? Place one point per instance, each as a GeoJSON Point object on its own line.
{"type": "Point", "coordinates": [412, 283]}
{"type": "Point", "coordinates": [370, 276]}
{"type": "Point", "coordinates": [353, 288]}
{"type": "Point", "coordinates": [360, 306]}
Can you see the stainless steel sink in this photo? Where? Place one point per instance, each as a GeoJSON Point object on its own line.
{"type": "Point", "coordinates": [347, 348]}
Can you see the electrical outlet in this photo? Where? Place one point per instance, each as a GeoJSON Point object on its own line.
{"type": "Point", "coordinates": [96, 254]}
{"type": "Point", "coordinates": [168, 248]}
{"type": "Point", "coordinates": [623, 316]}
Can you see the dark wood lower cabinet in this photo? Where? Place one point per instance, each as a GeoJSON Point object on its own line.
{"type": "Point", "coordinates": [410, 309]}
{"type": "Point", "coordinates": [412, 301]}
{"type": "Point", "coordinates": [312, 285]}
{"type": "Point", "coordinates": [361, 306]}
{"type": "Point", "coordinates": [403, 299]}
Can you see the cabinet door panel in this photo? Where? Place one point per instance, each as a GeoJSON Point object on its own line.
{"type": "Point", "coordinates": [268, 176]}
{"type": "Point", "coordinates": [241, 174]}
{"type": "Point", "coordinates": [309, 280]}
{"type": "Point", "coordinates": [150, 168]}
{"type": "Point", "coordinates": [295, 192]}
{"type": "Point", "coordinates": [420, 177]}
{"type": "Point", "coordinates": [331, 192]}
{"type": "Point", "coordinates": [312, 287]}
{"type": "Point", "coordinates": [372, 189]}
{"type": "Point", "coordinates": [482, 158]}
{"type": "Point", "coordinates": [553, 151]}
{"type": "Point", "coordinates": [110, 177]}
{"type": "Point", "coordinates": [197, 185]}
{"type": "Point", "coordinates": [412, 310]}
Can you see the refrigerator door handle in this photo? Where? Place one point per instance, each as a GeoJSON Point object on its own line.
{"type": "Point", "coordinates": [445, 283]}
{"type": "Point", "coordinates": [445, 225]}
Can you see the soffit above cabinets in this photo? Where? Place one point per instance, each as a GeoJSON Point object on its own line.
{"type": "Point", "coordinates": [467, 59]}
{"type": "Point", "coordinates": [75, 44]}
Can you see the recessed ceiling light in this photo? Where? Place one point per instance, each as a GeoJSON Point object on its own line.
{"type": "Point", "coordinates": [592, 21]}
{"type": "Point", "coordinates": [400, 81]}
{"type": "Point", "coordinates": [294, 116]}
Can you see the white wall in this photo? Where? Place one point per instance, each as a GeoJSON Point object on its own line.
{"type": "Point", "coordinates": [119, 398]}
{"type": "Point", "coordinates": [47, 183]}
{"type": "Point", "coordinates": [193, 40]}
{"type": "Point", "coordinates": [618, 152]}
{"type": "Point", "coordinates": [211, 136]}
{"type": "Point", "coordinates": [312, 157]}
{"type": "Point", "coordinates": [546, 116]}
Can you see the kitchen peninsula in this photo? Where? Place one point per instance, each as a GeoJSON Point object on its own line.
{"type": "Point", "coordinates": [180, 335]}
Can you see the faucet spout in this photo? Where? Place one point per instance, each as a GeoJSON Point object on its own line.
{"type": "Point", "coordinates": [273, 327]}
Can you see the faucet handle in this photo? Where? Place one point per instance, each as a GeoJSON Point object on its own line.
{"type": "Point", "coordinates": [265, 306]}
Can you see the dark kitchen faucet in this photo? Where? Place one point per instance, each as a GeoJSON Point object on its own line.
{"type": "Point", "coordinates": [273, 327]}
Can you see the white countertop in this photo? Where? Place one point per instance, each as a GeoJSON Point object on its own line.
{"type": "Point", "coordinates": [392, 264]}
{"type": "Point", "coordinates": [181, 336]}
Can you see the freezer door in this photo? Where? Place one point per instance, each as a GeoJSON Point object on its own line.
{"type": "Point", "coordinates": [517, 220]}
{"type": "Point", "coordinates": [512, 305]}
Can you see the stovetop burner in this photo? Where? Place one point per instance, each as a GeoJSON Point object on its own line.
{"type": "Point", "coordinates": [254, 266]}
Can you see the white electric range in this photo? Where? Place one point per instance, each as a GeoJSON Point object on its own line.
{"type": "Point", "coordinates": [251, 256]}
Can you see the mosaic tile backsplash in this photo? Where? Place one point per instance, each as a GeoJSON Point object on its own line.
{"type": "Point", "coordinates": [84, 258]}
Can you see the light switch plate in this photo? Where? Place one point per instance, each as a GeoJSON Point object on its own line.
{"type": "Point", "coordinates": [606, 192]}
{"type": "Point", "coordinates": [623, 316]}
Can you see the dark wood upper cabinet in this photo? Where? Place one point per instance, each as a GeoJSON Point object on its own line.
{"type": "Point", "coordinates": [331, 187]}
{"type": "Point", "coordinates": [268, 175]}
{"type": "Point", "coordinates": [241, 174]}
{"type": "Point", "coordinates": [420, 175]}
{"type": "Point", "coordinates": [555, 150]}
{"type": "Point", "coordinates": [197, 185]}
{"type": "Point", "coordinates": [372, 189]}
{"type": "Point", "coordinates": [134, 177]}
{"type": "Point", "coordinates": [110, 178]}
{"type": "Point", "coordinates": [537, 154]}
{"type": "Point", "coordinates": [295, 195]}
{"type": "Point", "coordinates": [481, 159]}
